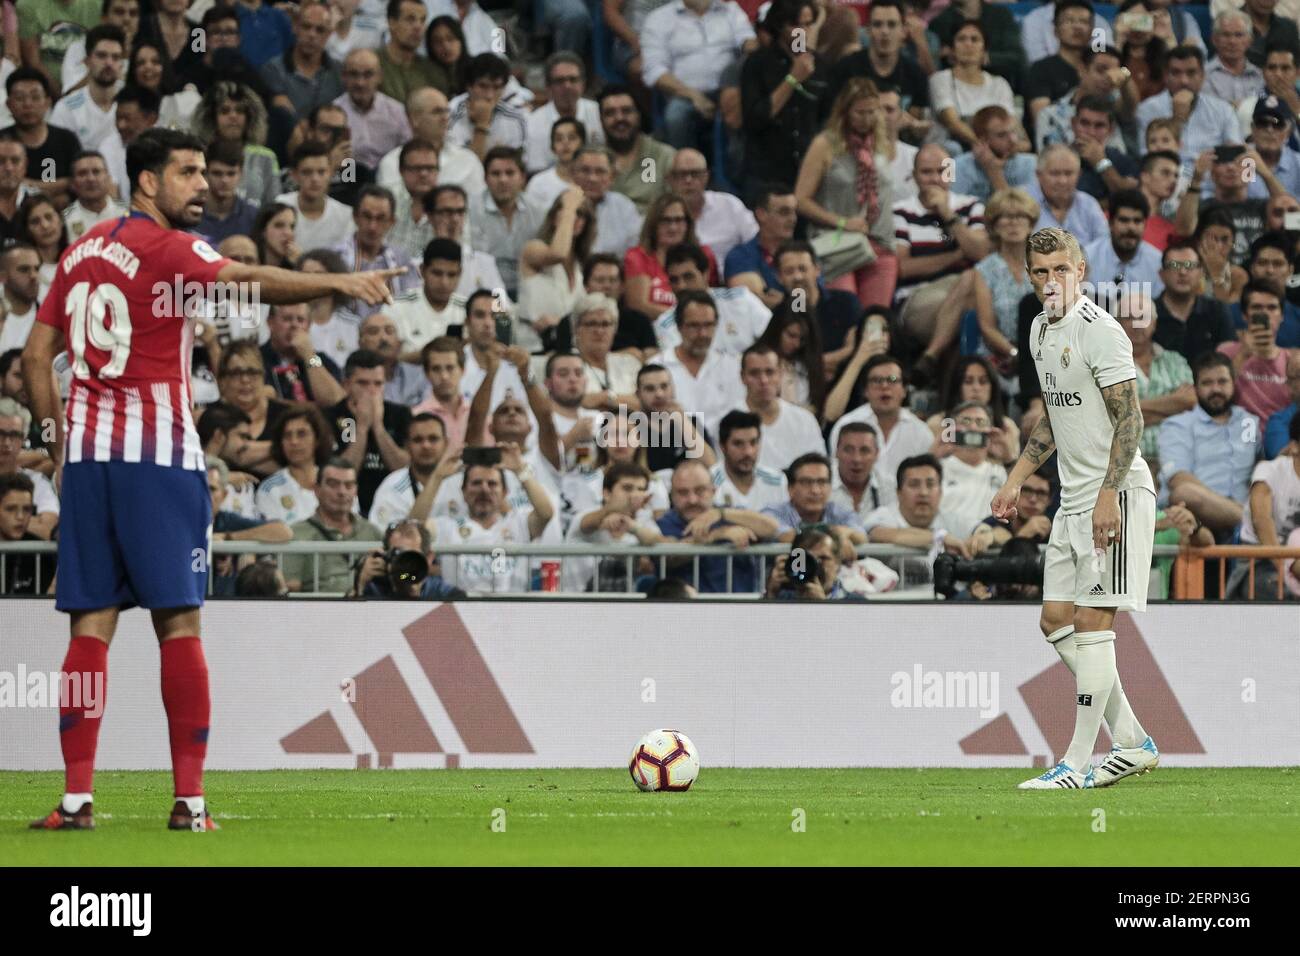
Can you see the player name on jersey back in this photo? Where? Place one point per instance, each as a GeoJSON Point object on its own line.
{"type": "Point", "coordinates": [1076, 357]}
{"type": "Point", "coordinates": [131, 395]}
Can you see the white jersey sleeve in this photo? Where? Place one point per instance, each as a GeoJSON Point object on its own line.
{"type": "Point", "coordinates": [1109, 353]}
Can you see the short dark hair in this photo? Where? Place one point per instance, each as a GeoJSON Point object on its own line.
{"type": "Point", "coordinates": [8, 359]}
{"type": "Point", "coordinates": [1179, 245]}
{"type": "Point", "coordinates": [1212, 359]}
{"type": "Point", "coordinates": [1091, 53]}
{"type": "Point", "coordinates": [486, 66]}
{"type": "Point", "coordinates": [918, 461]}
{"type": "Point", "coordinates": [1129, 199]}
{"type": "Point", "coordinates": [26, 74]}
{"type": "Point", "coordinates": [573, 121]}
{"type": "Point", "coordinates": [694, 297]}
{"type": "Point", "coordinates": [218, 14]}
{"type": "Point", "coordinates": [507, 153]}
{"type": "Point", "coordinates": [736, 420]}
{"type": "Point", "coordinates": [1255, 287]}
{"type": "Point", "coordinates": [152, 151]}
{"type": "Point", "coordinates": [340, 463]}
{"type": "Point", "coordinates": [374, 191]}
{"type": "Point", "coordinates": [884, 358]}
{"type": "Point", "coordinates": [362, 358]}
{"type": "Point", "coordinates": [227, 152]}
{"type": "Point", "coordinates": [1063, 5]}
{"type": "Point", "coordinates": [447, 249]}
{"type": "Point", "coordinates": [758, 348]}
{"type": "Point", "coordinates": [792, 246]}
{"type": "Point", "coordinates": [87, 154]}
{"type": "Point", "coordinates": [1185, 51]}
{"type": "Point", "coordinates": [602, 259]}
{"type": "Point", "coordinates": [856, 428]}
{"type": "Point", "coordinates": [649, 369]}
{"type": "Point", "coordinates": [105, 31]}
{"type": "Point", "coordinates": [16, 481]}
{"type": "Point", "coordinates": [686, 252]}
{"type": "Point", "coordinates": [1153, 157]}
{"type": "Point", "coordinates": [443, 343]}
{"type": "Point", "coordinates": [425, 417]}
{"type": "Point", "coordinates": [259, 579]}
{"type": "Point", "coordinates": [809, 458]}
{"type": "Point", "coordinates": [1096, 104]}
{"type": "Point", "coordinates": [624, 469]}
{"type": "Point", "coordinates": [147, 100]}
{"type": "Point", "coordinates": [394, 8]}
{"type": "Point", "coordinates": [310, 149]}
{"type": "Point", "coordinates": [675, 589]}
{"type": "Point", "coordinates": [1271, 240]}
{"type": "Point", "coordinates": [764, 197]}
{"type": "Point", "coordinates": [1281, 46]}
{"type": "Point", "coordinates": [416, 145]}
{"type": "Point", "coordinates": [615, 89]}
{"type": "Point", "coordinates": [217, 417]}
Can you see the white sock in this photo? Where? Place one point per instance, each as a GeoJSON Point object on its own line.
{"type": "Point", "coordinates": [194, 803]}
{"type": "Point", "coordinates": [1094, 679]}
{"type": "Point", "coordinates": [1123, 723]}
{"type": "Point", "coordinates": [72, 802]}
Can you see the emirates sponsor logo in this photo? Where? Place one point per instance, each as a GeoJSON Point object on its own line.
{"type": "Point", "coordinates": [393, 719]}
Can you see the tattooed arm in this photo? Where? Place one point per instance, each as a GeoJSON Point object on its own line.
{"type": "Point", "coordinates": [1125, 412]}
{"type": "Point", "coordinates": [1038, 449]}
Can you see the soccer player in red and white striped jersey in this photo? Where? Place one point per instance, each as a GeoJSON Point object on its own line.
{"type": "Point", "coordinates": [136, 510]}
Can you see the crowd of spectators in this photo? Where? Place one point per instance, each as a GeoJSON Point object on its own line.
{"type": "Point", "coordinates": [762, 282]}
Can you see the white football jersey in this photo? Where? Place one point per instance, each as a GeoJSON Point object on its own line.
{"type": "Point", "coordinates": [280, 498]}
{"type": "Point", "coordinates": [484, 573]}
{"type": "Point", "coordinates": [742, 318]}
{"type": "Point", "coordinates": [1076, 357]}
{"type": "Point", "coordinates": [770, 489]}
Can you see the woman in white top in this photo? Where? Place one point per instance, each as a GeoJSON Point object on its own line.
{"type": "Point", "coordinates": [40, 225]}
{"type": "Point", "coordinates": [151, 70]}
{"type": "Point", "coordinates": [334, 327]}
{"type": "Point", "coordinates": [550, 267]}
{"type": "Point", "coordinates": [958, 94]}
{"type": "Point", "coordinates": [301, 443]}
{"type": "Point", "coordinates": [568, 135]}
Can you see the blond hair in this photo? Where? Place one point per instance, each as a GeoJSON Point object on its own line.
{"type": "Point", "coordinates": [837, 125]}
{"type": "Point", "coordinates": [1046, 241]}
{"type": "Point", "coordinates": [1007, 202]}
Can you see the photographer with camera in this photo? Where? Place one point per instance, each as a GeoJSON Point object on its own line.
{"type": "Point", "coordinates": [404, 569]}
{"type": "Point", "coordinates": [810, 572]}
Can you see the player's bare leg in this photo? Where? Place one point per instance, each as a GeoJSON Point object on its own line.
{"type": "Point", "coordinates": [188, 705]}
{"type": "Point", "coordinates": [86, 682]}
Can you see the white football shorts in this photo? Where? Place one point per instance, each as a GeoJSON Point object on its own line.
{"type": "Point", "coordinates": [1118, 577]}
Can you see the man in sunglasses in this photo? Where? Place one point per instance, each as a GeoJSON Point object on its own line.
{"type": "Point", "coordinates": [1271, 127]}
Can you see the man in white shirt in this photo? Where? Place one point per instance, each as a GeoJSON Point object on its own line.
{"type": "Point", "coordinates": [722, 221]}
{"type": "Point", "coordinates": [706, 381]}
{"type": "Point", "coordinates": [788, 430]}
{"type": "Point", "coordinates": [426, 443]}
{"type": "Point", "coordinates": [93, 205]}
{"type": "Point", "coordinates": [970, 478]}
{"type": "Point", "coordinates": [899, 433]}
{"type": "Point", "coordinates": [738, 479]}
{"type": "Point", "coordinates": [618, 224]}
{"type": "Point", "coordinates": [480, 340]}
{"type": "Point", "coordinates": [121, 13]}
{"type": "Point", "coordinates": [566, 79]}
{"type": "Point", "coordinates": [915, 521]}
{"type": "Point", "coordinates": [566, 384]}
{"type": "Point", "coordinates": [20, 268]}
{"type": "Point", "coordinates": [685, 46]}
{"type": "Point", "coordinates": [429, 115]}
{"type": "Point", "coordinates": [322, 220]}
{"type": "Point", "coordinates": [742, 316]}
{"type": "Point", "coordinates": [89, 112]}
{"type": "Point", "coordinates": [481, 117]}
{"type": "Point", "coordinates": [423, 314]}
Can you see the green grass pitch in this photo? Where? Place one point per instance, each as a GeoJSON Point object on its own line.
{"type": "Point", "coordinates": [1178, 817]}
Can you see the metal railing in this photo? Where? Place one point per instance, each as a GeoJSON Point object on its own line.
{"type": "Point", "coordinates": [661, 554]}
{"type": "Point", "coordinates": [1188, 577]}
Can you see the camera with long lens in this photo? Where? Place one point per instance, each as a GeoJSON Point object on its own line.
{"type": "Point", "coordinates": [405, 570]}
{"type": "Point", "coordinates": [989, 569]}
{"type": "Point", "coordinates": [802, 568]}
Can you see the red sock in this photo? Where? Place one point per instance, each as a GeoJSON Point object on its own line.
{"type": "Point", "coordinates": [78, 729]}
{"type": "Point", "coordinates": [185, 698]}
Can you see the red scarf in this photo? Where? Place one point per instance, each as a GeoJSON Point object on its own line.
{"type": "Point", "coordinates": [862, 149]}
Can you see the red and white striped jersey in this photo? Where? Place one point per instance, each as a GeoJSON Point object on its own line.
{"type": "Point", "coordinates": [129, 338]}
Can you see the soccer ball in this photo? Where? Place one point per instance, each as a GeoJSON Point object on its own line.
{"type": "Point", "coordinates": [664, 760]}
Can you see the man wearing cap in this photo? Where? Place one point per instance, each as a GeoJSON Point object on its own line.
{"type": "Point", "coordinates": [1271, 125]}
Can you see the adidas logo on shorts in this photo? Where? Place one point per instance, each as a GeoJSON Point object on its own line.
{"type": "Point", "coordinates": [1096, 591]}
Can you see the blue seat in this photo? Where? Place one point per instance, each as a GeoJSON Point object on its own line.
{"type": "Point", "coordinates": [1107, 11]}
{"type": "Point", "coordinates": [1201, 14]}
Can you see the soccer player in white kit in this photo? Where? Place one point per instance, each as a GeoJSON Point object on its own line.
{"type": "Point", "coordinates": [1099, 554]}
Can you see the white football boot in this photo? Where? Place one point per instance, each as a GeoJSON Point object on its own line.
{"type": "Point", "coordinates": [1124, 762]}
{"type": "Point", "coordinates": [1060, 777]}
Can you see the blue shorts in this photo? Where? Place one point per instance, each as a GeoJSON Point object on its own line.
{"type": "Point", "coordinates": [133, 534]}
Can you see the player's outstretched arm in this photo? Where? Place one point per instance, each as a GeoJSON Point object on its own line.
{"type": "Point", "coordinates": [44, 343]}
{"type": "Point", "coordinates": [282, 287]}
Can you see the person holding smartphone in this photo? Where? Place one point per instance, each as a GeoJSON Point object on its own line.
{"type": "Point", "coordinates": [1257, 361]}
